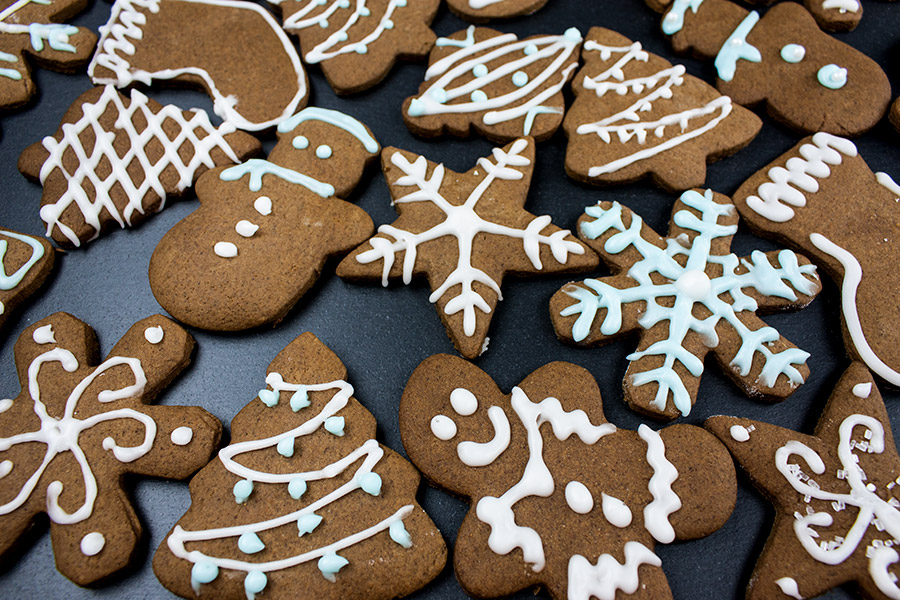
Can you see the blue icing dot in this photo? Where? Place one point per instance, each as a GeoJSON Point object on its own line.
{"type": "Point", "coordinates": [479, 96]}
{"type": "Point", "coordinates": [204, 572]}
{"type": "Point", "coordinates": [520, 78]}
{"type": "Point", "coordinates": [286, 447]}
{"type": "Point", "coordinates": [416, 108]}
{"type": "Point", "coordinates": [400, 535]}
{"type": "Point", "coordinates": [832, 76]}
{"type": "Point", "coordinates": [300, 399]}
{"type": "Point", "coordinates": [388, 24]}
{"type": "Point", "coordinates": [480, 70]}
{"type": "Point", "coordinates": [242, 490]}
{"type": "Point", "coordinates": [371, 483]}
{"type": "Point", "coordinates": [343, 3]}
{"type": "Point", "coordinates": [249, 543]}
{"type": "Point", "coordinates": [530, 49]}
{"type": "Point", "coordinates": [341, 36]}
{"type": "Point", "coordinates": [439, 95]}
{"type": "Point", "coordinates": [323, 151]}
{"type": "Point", "coordinates": [268, 397]}
{"type": "Point", "coordinates": [254, 583]}
{"type": "Point", "coordinates": [307, 523]}
{"type": "Point", "coordinates": [300, 142]}
{"type": "Point", "coordinates": [793, 53]}
{"type": "Point", "coordinates": [361, 49]}
{"type": "Point", "coordinates": [335, 425]}
{"type": "Point", "coordinates": [401, 2]}
{"type": "Point", "coordinates": [323, 23]}
{"type": "Point", "coordinates": [365, 12]}
{"type": "Point", "coordinates": [296, 488]}
{"type": "Point", "coordinates": [331, 564]}
{"type": "Point", "coordinates": [572, 34]}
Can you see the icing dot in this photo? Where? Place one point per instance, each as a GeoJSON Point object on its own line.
{"type": "Point", "coordinates": [343, 3]}
{"type": "Point", "coordinates": [335, 425]}
{"type": "Point", "coordinates": [330, 564]}
{"type": "Point", "coordinates": [463, 401]}
{"type": "Point", "coordinates": [242, 490]}
{"type": "Point", "coordinates": [793, 53]}
{"type": "Point", "coordinates": [579, 498]}
{"type": "Point", "coordinates": [693, 284]}
{"type": "Point", "coordinates": [249, 543]}
{"type": "Point", "coordinates": [388, 24]}
{"type": "Point", "coordinates": [439, 95]}
{"type": "Point", "coordinates": [182, 436]}
{"type": "Point", "coordinates": [43, 335]}
{"type": "Point", "coordinates": [416, 108]}
{"type": "Point", "coordinates": [268, 397]}
{"type": "Point", "coordinates": [263, 205]}
{"type": "Point", "coordinates": [400, 535]}
{"type": "Point", "coordinates": [788, 586]}
{"type": "Point", "coordinates": [307, 523]}
{"type": "Point", "coordinates": [323, 151]}
{"type": "Point", "coordinates": [443, 427]}
{"type": "Point", "coordinates": [364, 11]}
{"type": "Point", "coordinates": [832, 76]}
{"type": "Point", "coordinates": [323, 23]}
{"type": "Point", "coordinates": [739, 433]}
{"type": "Point", "coordinates": [361, 49]}
{"type": "Point", "coordinates": [300, 142]}
{"type": "Point", "coordinates": [154, 335]}
{"type": "Point", "coordinates": [862, 390]}
{"type": "Point", "coordinates": [285, 447]}
{"type": "Point", "coordinates": [5, 405]}
{"type": "Point", "coordinates": [530, 49]}
{"type": "Point", "coordinates": [225, 249]}
{"type": "Point", "coordinates": [203, 572]}
{"type": "Point", "coordinates": [5, 467]}
{"type": "Point", "coordinates": [572, 34]}
{"type": "Point", "coordinates": [371, 483]}
{"type": "Point", "coordinates": [254, 583]}
{"type": "Point", "coordinates": [296, 488]}
{"type": "Point", "coordinates": [480, 70]}
{"type": "Point", "coordinates": [615, 511]}
{"type": "Point", "coordinates": [92, 543]}
{"type": "Point", "coordinates": [299, 399]}
{"type": "Point", "coordinates": [479, 96]}
{"type": "Point", "coordinates": [246, 228]}
{"type": "Point", "coordinates": [520, 78]}
{"type": "Point", "coordinates": [871, 487]}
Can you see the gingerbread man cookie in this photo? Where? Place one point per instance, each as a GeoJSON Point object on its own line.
{"type": "Point", "coordinates": [478, 11]}
{"type": "Point", "coordinates": [25, 263]}
{"type": "Point", "coordinates": [542, 463]}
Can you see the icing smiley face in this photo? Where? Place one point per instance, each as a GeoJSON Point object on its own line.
{"type": "Point", "coordinates": [542, 461]}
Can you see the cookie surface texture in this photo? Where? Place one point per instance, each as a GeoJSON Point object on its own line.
{"type": "Point", "coordinates": [34, 30]}
{"type": "Point", "coordinates": [265, 227]}
{"type": "Point", "coordinates": [495, 84]}
{"type": "Point", "coordinates": [303, 458]}
{"type": "Point", "coordinates": [541, 463]}
{"type": "Point", "coordinates": [478, 11]}
{"type": "Point", "coordinates": [686, 295]}
{"type": "Point", "coordinates": [805, 78]}
{"type": "Point", "coordinates": [801, 199]}
{"type": "Point", "coordinates": [115, 160]}
{"type": "Point", "coordinates": [79, 425]}
{"type": "Point", "coordinates": [233, 50]}
{"type": "Point", "coordinates": [835, 495]}
{"type": "Point", "coordinates": [637, 115]}
{"type": "Point", "coordinates": [464, 232]}
{"type": "Point", "coordinates": [25, 263]}
{"type": "Point", "coordinates": [356, 43]}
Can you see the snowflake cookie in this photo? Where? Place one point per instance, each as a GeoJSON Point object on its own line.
{"type": "Point", "coordinates": [688, 296]}
{"type": "Point", "coordinates": [478, 11]}
{"type": "Point", "coordinates": [836, 495]}
{"type": "Point", "coordinates": [542, 463]}
{"type": "Point", "coordinates": [33, 29]}
{"type": "Point", "coordinates": [25, 263]}
{"type": "Point", "coordinates": [464, 231]}
{"type": "Point", "coordinates": [303, 458]}
{"type": "Point", "coordinates": [78, 427]}
{"type": "Point", "coordinates": [635, 114]}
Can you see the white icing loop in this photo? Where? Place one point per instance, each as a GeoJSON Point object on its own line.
{"type": "Point", "coordinates": [44, 335]}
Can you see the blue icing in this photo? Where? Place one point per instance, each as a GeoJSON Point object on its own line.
{"type": "Point", "coordinates": [439, 95]}
{"type": "Point", "coordinates": [307, 523]}
{"type": "Point", "coordinates": [323, 151]}
{"type": "Point", "coordinates": [736, 48]}
{"type": "Point", "coordinates": [479, 96]}
{"type": "Point", "coordinates": [299, 399]}
{"type": "Point", "coordinates": [249, 543]}
{"type": "Point", "coordinates": [792, 53]}
{"type": "Point", "coordinates": [400, 535]}
{"type": "Point", "coordinates": [388, 24]}
{"type": "Point", "coordinates": [242, 490]}
{"type": "Point", "coordinates": [285, 447]}
{"type": "Point", "coordinates": [533, 112]}
{"type": "Point", "coordinates": [300, 142]}
{"type": "Point", "coordinates": [296, 488]}
{"type": "Point", "coordinates": [416, 108]}
{"type": "Point", "coordinates": [268, 397]}
{"type": "Point", "coordinates": [468, 41]}
{"type": "Point", "coordinates": [530, 49]}
{"type": "Point", "coordinates": [332, 117]}
{"type": "Point", "coordinates": [203, 572]}
{"type": "Point", "coordinates": [520, 78]}
{"type": "Point", "coordinates": [573, 35]}
{"type": "Point", "coordinates": [674, 19]}
{"type": "Point", "coordinates": [361, 49]}
{"type": "Point", "coordinates": [479, 70]}
{"type": "Point", "coordinates": [254, 583]}
{"type": "Point", "coordinates": [9, 73]}
{"type": "Point", "coordinates": [56, 34]}
{"type": "Point", "coordinates": [257, 167]}
{"type": "Point", "coordinates": [364, 11]}
{"type": "Point", "coordinates": [832, 76]}
{"type": "Point", "coordinates": [335, 425]}
{"type": "Point", "coordinates": [371, 483]}
{"type": "Point", "coordinates": [8, 282]}
{"type": "Point", "coordinates": [330, 564]}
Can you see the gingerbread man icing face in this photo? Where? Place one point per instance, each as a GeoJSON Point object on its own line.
{"type": "Point", "coordinates": [541, 463]}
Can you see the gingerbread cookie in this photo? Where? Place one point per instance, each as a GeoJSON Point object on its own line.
{"type": "Point", "coordinates": [303, 458]}
{"type": "Point", "coordinates": [542, 463]}
{"type": "Point", "coordinates": [636, 115]}
{"type": "Point", "coordinates": [687, 295]}
{"type": "Point", "coordinates": [895, 114]}
{"type": "Point", "coordinates": [478, 11]}
{"type": "Point", "coordinates": [25, 264]}
{"type": "Point", "coordinates": [265, 227]}
{"type": "Point", "coordinates": [357, 43]}
{"type": "Point", "coordinates": [806, 79]}
{"type": "Point", "coordinates": [836, 495]}
{"type": "Point", "coordinates": [233, 50]}
{"type": "Point", "coordinates": [35, 29]}
{"type": "Point", "coordinates": [116, 160]}
{"type": "Point", "coordinates": [831, 15]}
{"type": "Point", "coordinates": [79, 426]}
{"type": "Point", "coordinates": [802, 199]}
{"type": "Point", "coordinates": [494, 83]}
{"type": "Point", "coordinates": [464, 232]}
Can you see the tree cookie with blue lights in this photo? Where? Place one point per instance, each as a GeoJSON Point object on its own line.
{"type": "Point", "coordinates": [464, 232]}
{"type": "Point", "coordinates": [836, 495]}
{"type": "Point", "coordinates": [34, 30]}
{"type": "Point", "coordinates": [357, 42]}
{"type": "Point", "coordinates": [80, 426]}
{"type": "Point", "coordinates": [686, 295]}
{"type": "Point", "coordinates": [265, 228]}
{"type": "Point", "coordinates": [478, 11]}
{"type": "Point", "coordinates": [495, 84]}
{"type": "Point", "coordinates": [637, 115]}
{"type": "Point", "coordinates": [804, 77]}
{"type": "Point", "coordinates": [25, 263]}
{"type": "Point", "coordinates": [560, 498]}
{"type": "Point", "coordinates": [304, 502]}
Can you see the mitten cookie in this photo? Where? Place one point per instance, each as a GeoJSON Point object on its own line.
{"type": "Point", "coordinates": [265, 227]}
{"type": "Point", "coordinates": [233, 50]}
{"type": "Point", "coordinates": [464, 232]}
{"type": "Point", "coordinates": [835, 494]}
{"type": "Point", "coordinates": [116, 160]}
{"type": "Point", "coordinates": [687, 295]}
{"type": "Point", "coordinates": [303, 458]}
{"type": "Point", "coordinates": [78, 427]}
{"type": "Point", "coordinates": [478, 11]}
{"type": "Point", "coordinates": [560, 498]}
{"type": "Point", "coordinates": [25, 263]}
{"type": "Point", "coordinates": [34, 29]}
{"type": "Point", "coordinates": [636, 115]}
{"type": "Point", "coordinates": [807, 79]}
{"type": "Point", "coordinates": [821, 198]}
{"type": "Point", "coordinates": [357, 43]}
{"type": "Point", "coordinates": [494, 83]}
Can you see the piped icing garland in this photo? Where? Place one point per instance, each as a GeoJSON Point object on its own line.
{"type": "Point", "coordinates": [688, 295]}
{"type": "Point", "coordinates": [836, 493]}
{"type": "Point", "coordinates": [635, 113]}
{"type": "Point", "coordinates": [116, 159]}
{"type": "Point", "coordinates": [76, 429]}
{"type": "Point", "coordinates": [25, 262]}
{"type": "Point", "coordinates": [442, 213]}
{"type": "Point", "coordinates": [551, 465]}
{"type": "Point", "coordinates": [482, 10]}
{"type": "Point", "coordinates": [301, 464]}
{"type": "Point", "coordinates": [496, 83]}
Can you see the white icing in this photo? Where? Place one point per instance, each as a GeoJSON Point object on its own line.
{"type": "Point", "coordinates": [843, 6]}
{"type": "Point", "coordinates": [443, 427]}
{"type": "Point", "coordinates": [862, 390]}
{"type": "Point", "coordinates": [739, 433]}
{"type": "Point", "coordinates": [245, 228]}
{"type": "Point", "coordinates": [5, 405]}
{"type": "Point", "coordinates": [579, 498]}
{"type": "Point", "coordinates": [665, 501]}
{"type": "Point", "coordinates": [475, 454]}
{"type": "Point", "coordinates": [44, 335]}
{"type": "Point", "coordinates": [788, 587]}
{"type": "Point", "coordinates": [615, 511]}
{"type": "Point", "coordinates": [182, 436]}
{"type": "Point", "coordinates": [603, 580]}
{"type": "Point", "coordinates": [225, 249]}
{"type": "Point", "coordinates": [92, 543]}
{"type": "Point", "coordinates": [263, 205]}
{"type": "Point", "coordinates": [463, 402]}
{"type": "Point", "coordinates": [889, 184]}
{"type": "Point", "coordinates": [154, 335]}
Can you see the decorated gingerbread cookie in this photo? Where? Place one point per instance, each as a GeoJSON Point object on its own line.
{"type": "Point", "coordinates": [34, 30]}
{"type": "Point", "coordinates": [822, 199]}
{"type": "Point", "coordinates": [116, 160]}
{"type": "Point", "coordinates": [464, 232]}
{"type": "Point", "coordinates": [807, 79]}
{"type": "Point", "coordinates": [265, 227]}
{"type": "Point", "coordinates": [80, 425]}
{"type": "Point", "coordinates": [687, 295]}
{"type": "Point", "coordinates": [478, 11]}
{"type": "Point", "coordinates": [494, 83]}
{"type": "Point", "coordinates": [831, 15]}
{"type": "Point", "coordinates": [303, 458]}
{"type": "Point", "coordinates": [636, 114]}
{"type": "Point", "coordinates": [542, 463]}
{"type": "Point", "coordinates": [233, 50]}
{"type": "Point", "coordinates": [836, 495]}
{"type": "Point", "coordinates": [25, 263]}
{"type": "Point", "coordinates": [357, 42]}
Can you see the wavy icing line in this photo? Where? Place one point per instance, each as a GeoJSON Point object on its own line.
{"type": "Point", "coordinates": [8, 282]}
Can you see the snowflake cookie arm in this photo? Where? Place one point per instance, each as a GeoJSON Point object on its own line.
{"type": "Point", "coordinates": [775, 280]}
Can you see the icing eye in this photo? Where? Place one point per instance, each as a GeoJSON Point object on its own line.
{"type": "Point", "coordinates": [443, 427]}
{"type": "Point", "coordinates": [615, 511]}
{"type": "Point", "coordinates": [463, 401]}
{"type": "Point", "coordinates": [579, 498]}
{"type": "Point", "coordinates": [263, 204]}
